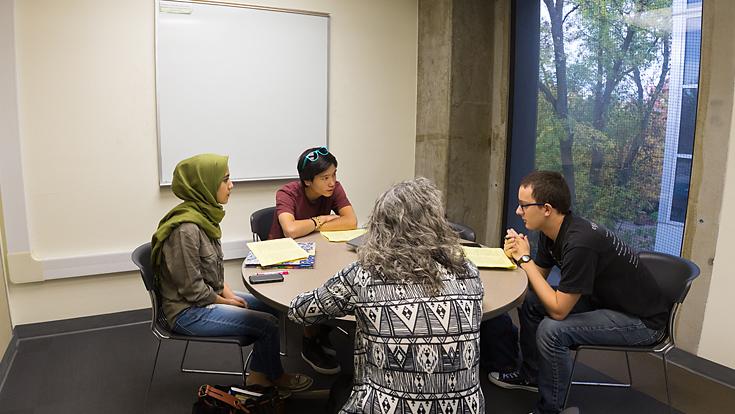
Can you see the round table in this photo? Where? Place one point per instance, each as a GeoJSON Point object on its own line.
{"type": "Point", "coordinates": [504, 289]}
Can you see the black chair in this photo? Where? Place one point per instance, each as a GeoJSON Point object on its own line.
{"type": "Point", "coordinates": [260, 223]}
{"type": "Point", "coordinates": [463, 231]}
{"type": "Point", "coordinates": [159, 326]}
{"type": "Point", "coordinates": [674, 276]}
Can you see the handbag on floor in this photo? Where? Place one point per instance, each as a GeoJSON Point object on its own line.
{"type": "Point", "coordinates": [253, 399]}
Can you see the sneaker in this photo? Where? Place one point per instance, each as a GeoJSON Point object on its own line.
{"type": "Point", "coordinates": [322, 363]}
{"type": "Point", "coordinates": [294, 383]}
{"type": "Point", "coordinates": [512, 380]}
{"type": "Point", "coordinates": [326, 344]}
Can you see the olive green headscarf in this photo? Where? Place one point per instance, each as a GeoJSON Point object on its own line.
{"type": "Point", "coordinates": [196, 181]}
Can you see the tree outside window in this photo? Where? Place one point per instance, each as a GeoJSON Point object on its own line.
{"type": "Point", "coordinates": [616, 110]}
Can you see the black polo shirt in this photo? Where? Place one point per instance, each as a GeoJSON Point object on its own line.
{"type": "Point", "coordinates": [596, 263]}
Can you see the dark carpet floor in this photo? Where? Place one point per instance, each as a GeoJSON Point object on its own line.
{"type": "Point", "coordinates": [107, 370]}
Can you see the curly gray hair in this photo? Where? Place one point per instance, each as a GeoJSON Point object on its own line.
{"type": "Point", "coordinates": [408, 237]}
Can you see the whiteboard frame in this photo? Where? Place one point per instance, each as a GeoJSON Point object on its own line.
{"type": "Point", "coordinates": [156, 11]}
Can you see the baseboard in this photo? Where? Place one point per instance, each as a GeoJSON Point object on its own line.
{"type": "Point", "coordinates": [7, 361]}
{"type": "Point", "coordinates": [703, 367]}
{"type": "Point", "coordinates": [26, 268]}
{"type": "Point", "coordinates": [67, 326]}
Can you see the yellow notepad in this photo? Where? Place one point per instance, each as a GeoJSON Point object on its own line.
{"type": "Point", "coordinates": [275, 251]}
{"type": "Point", "coordinates": [343, 235]}
{"type": "Point", "coordinates": [488, 257]}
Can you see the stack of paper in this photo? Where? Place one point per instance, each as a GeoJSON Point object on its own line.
{"type": "Point", "coordinates": [488, 257]}
{"type": "Point", "coordinates": [343, 235]}
{"type": "Point", "coordinates": [276, 251]}
{"type": "Point", "coordinates": [308, 263]}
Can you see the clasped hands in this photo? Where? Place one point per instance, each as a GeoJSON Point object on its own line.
{"type": "Point", "coordinates": [322, 220]}
{"type": "Point", "coordinates": [228, 297]}
{"type": "Point", "coordinates": [516, 245]}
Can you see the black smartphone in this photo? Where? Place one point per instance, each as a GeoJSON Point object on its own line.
{"type": "Point", "coordinates": [265, 278]}
{"type": "Point", "coordinates": [471, 244]}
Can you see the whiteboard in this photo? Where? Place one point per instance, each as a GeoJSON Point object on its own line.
{"type": "Point", "coordinates": [243, 81]}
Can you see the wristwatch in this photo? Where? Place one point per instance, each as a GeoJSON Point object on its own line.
{"type": "Point", "coordinates": [523, 259]}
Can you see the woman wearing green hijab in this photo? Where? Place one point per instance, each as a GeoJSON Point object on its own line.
{"type": "Point", "coordinates": [187, 256]}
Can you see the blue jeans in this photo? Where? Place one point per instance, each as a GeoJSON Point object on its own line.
{"type": "Point", "coordinates": [545, 343]}
{"type": "Point", "coordinates": [258, 324]}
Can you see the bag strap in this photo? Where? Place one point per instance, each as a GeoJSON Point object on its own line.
{"type": "Point", "coordinates": [209, 391]}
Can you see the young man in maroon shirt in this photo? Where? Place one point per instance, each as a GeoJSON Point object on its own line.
{"type": "Point", "coordinates": [316, 202]}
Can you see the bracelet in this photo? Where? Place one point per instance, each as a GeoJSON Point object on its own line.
{"type": "Point", "coordinates": [316, 225]}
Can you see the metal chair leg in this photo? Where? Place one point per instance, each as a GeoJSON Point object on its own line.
{"type": "Point", "coordinates": [571, 382]}
{"type": "Point", "coordinates": [247, 363]}
{"type": "Point", "coordinates": [590, 383]}
{"type": "Point", "coordinates": [183, 357]}
{"type": "Point", "coordinates": [666, 381]}
{"type": "Point", "coordinates": [284, 335]}
{"type": "Point", "coordinates": [150, 381]}
{"type": "Point", "coordinates": [244, 366]}
{"type": "Point", "coordinates": [609, 384]}
{"type": "Point", "coordinates": [205, 371]}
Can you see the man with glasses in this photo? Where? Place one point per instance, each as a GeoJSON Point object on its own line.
{"type": "Point", "coordinates": [316, 202]}
{"type": "Point", "coordinates": [605, 296]}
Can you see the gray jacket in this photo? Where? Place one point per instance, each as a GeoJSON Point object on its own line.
{"type": "Point", "coordinates": [192, 271]}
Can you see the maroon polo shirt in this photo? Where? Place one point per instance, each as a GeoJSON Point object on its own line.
{"type": "Point", "coordinates": [291, 198]}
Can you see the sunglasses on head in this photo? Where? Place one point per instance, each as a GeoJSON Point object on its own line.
{"type": "Point", "coordinates": [314, 155]}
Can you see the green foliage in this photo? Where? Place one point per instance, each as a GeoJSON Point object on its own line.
{"type": "Point", "coordinates": [594, 33]}
{"type": "Point", "coordinates": [548, 132]}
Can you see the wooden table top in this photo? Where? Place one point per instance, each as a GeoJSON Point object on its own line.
{"type": "Point", "coordinates": [504, 289]}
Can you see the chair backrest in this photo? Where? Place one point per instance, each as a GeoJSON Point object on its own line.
{"type": "Point", "coordinates": [142, 258]}
{"type": "Point", "coordinates": [673, 274]}
{"type": "Point", "coordinates": [464, 232]}
{"type": "Point", "coordinates": [261, 221]}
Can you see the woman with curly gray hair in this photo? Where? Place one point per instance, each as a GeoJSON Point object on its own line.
{"type": "Point", "coordinates": [418, 306]}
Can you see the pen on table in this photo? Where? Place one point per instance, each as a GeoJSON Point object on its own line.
{"type": "Point", "coordinates": [283, 273]}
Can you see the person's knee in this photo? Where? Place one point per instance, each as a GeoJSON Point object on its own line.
{"type": "Point", "coordinates": [271, 322]}
{"type": "Point", "coordinates": [547, 334]}
{"type": "Point", "coordinates": [266, 324]}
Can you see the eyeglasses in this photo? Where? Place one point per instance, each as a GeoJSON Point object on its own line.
{"type": "Point", "coordinates": [314, 155]}
{"type": "Point", "coordinates": [523, 206]}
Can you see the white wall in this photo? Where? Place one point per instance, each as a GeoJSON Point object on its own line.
{"type": "Point", "coordinates": [6, 328]}
{"type": "Point", "coordinates": [8, 130]}
{"type": "Point", "coordinates": [86, 105]}
{"type": "Point", "coordinates": [718, 328]}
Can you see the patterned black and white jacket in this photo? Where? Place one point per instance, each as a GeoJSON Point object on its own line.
{"type": "Point", "coordinates": [416, 352]}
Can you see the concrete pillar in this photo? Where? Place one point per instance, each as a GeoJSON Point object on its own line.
{"type": "Point", "coordinates": [462, 107]}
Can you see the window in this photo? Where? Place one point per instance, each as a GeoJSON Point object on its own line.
{"type": "Point", "coordinates": [681, 189]}
{"type": "Point", "coordinates": [614, 110]}
{"type": "Point", "coordinates": [687, 120]}
{"type": "Point", "coordinates": [692, 44]}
